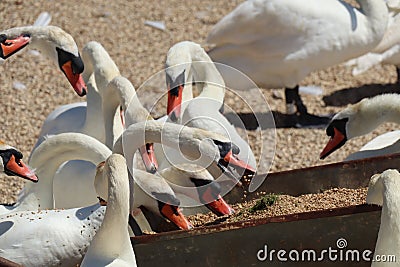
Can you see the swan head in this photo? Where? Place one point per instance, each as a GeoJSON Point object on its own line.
{"type": "Point", "coordinates": [10, 46]}
{"type": "Point", "coordinates": [381, 186]}
{"type": "Point", "coordinates": [53, 42]}
{"type": "Point", "coordinates": [12, 165]}
{"type": "Point", "coordinates": [197, 183]}
{"type": "Point", "coordinates": [375, 189]}
{"type": "Point", "coordinates": [229, 162]}
{"type": "Point", "coordinates": [359, 119]}
{"type": "Point", "coordinates": [154, 194]}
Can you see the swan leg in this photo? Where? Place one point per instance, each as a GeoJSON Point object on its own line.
{"type": "Point", "coordinates": [296, 107]}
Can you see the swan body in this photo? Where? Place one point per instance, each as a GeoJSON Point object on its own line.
{"type": "Point", "coordinates": [278, 43]}
{"type": "Point", "coordinates": [203, 111]}
{"type": "Point", "coordinates": [54, 43]}
{"type": "Point", "coordinates": [49, 237]}
{"type": "Point", "coordinates": [360, 119]}
{"type": "Point", "coordinates": [383, 191]}
{"type": "Point", "coordinates": [111, 245]}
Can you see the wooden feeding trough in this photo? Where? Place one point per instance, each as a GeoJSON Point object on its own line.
{"type": "Point", "coordinates": [346, 233]}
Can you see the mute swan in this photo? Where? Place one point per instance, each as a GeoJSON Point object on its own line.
{"type": "Point", "coordinates": [47, 158]}
{"type": "Point", "coordinates": [387, 51]}
{"type": "Point", "coordinates": [111, 246]}
{"type": "Point", "coordinates": [203, 111]}
{"type": "Point", "coordinates": [278, 43]}
{"type": "Point", "coordinates": [52, 42]}
{"type": "Point", "coordinates": [12, 165]}
{"type": "Point", "coordinates": [383, 190]}
{"type": "Point", "coordinates": [360, 119]}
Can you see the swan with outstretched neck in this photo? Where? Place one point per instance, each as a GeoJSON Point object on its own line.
{"type": "Point", "coordinates": [52, 42]}
{"type": "Point", "coordinates": [277, 43]}
{"type": "Point", "coordinates": [383, 190]}
{"type": "Point", "coordinates": [360, 119]}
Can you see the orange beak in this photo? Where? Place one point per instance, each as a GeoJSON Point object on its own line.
{"type": "Point", "coordinates": [218, 206]}
{"type": "Point", "coordinates": [235, 161]}
{"type": "Point", "coordinates": [149, 158]}
{"type": "Point", "coordinates": [174, 102]}
{"type": "Point", "coordinates": [75, 80]}
{"type": "Point", "coordinates": [336, 141]}
{"type": "Point", "coordinates": [17, 167]}
{"type": "Point", "coordinates": [173, 214]}
{"type": "Point", "coordinates": [12, 46]}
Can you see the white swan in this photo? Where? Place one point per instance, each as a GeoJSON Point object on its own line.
{"type": "Point", "coordinates": [52, 42]}
{"type": "Point", "coordinates": [278, 43]}
{"type": "Point", "coordinates": [383, 190]}
{"type": "Point", "coordinates": [387, 51]}
{"type": "Point", "coordinates": [203, 111]}
{"type": "Point", "coordinates": [47, 158]}
{"type": "Point", "coordinates": [360, 119]}
{"type": "Point", "coordinates": [11, 163]}
{"type": "Point", "coordinates": [111, 246]}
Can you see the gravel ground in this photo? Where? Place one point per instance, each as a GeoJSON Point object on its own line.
{"type": "Point", "coordinates": [276, 205]}
{"type": "Point", "coordinates": [139, 51]}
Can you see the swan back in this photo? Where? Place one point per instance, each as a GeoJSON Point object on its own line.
{"type": "Point", "coordinates": [111, 245]}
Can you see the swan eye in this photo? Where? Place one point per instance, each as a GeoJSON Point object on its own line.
{"type": "Point", "coordinates": [339, 125]}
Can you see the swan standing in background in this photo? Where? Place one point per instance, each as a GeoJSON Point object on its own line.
{"type": "Point", "coordinates": [46, 159]}
{"type": "Point", "coordinates": [383, 190]}
{"type": "Point", "coordinates": [203, 111]}
{"type": "Point", "coordinates": [387, 51]}
{"type": "Point", "coordinates": [52, 42]}
{"type": "Point", "coordinates": [277, 43]}
{"type": "Point", "coordinates": [111, 246]}
{"type": "Point", "coordinates": [360, 119]}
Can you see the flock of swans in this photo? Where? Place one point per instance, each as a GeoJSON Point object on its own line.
{"type": "Point", "coordinates": [81, 157]}
{"type": "Point", "coordinates": [91, 151]}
